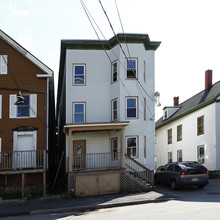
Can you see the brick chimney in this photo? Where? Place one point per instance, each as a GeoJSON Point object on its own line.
{"type": "Point", "coordinates": [208, 79]}
{"type": "Point", "coordinates": [176, 101]}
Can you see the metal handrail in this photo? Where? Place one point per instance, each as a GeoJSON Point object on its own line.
{"type": "Point", "coordinates": [139, 170]}
{"type": "Point", "coordinates": [96, 161]}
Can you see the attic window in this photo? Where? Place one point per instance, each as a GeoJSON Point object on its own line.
{"type": "Point", "coordinates": [165, 113]}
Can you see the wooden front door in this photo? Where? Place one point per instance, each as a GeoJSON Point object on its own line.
{"type": "Point", "coordinates": [79, 154]}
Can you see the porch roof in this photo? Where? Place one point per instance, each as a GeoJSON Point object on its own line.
{"type": "Point", "coordinates": [100, 126]}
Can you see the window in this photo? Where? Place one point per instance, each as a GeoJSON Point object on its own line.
{"type": "Point", "coordinates": [170, 157]}
{"type": "Point", "coordinates": [79, 74]}
{"type": "Point", "coordinates": [201, 154]}
{"type": "Point", "coordinates": [179, 156]}
{"type": "Point", "coordinates": [145, 112]}
{"type": "Point", "coordinates": [131, 107]}
{"type": "Point", "coordinates": [144, 71]}
{"type": "Point", "coordinates": [3, 64]}
{"type": "Point", "coordinates": [115, 110]}
{"type": "Point", "coordinates": [179, 132]}
{"type": "Point", "coordinates": [131, 68]}
{"type": "Point", "coordinates": [200, 125]}
{"type": "Point", "coordinates": [114, 148]}
{"type": "Point", "coordinates": [78, 112]}
{"type": "Point", "coordinates": [170, 167]}
{"type": "Point", "coordinates": [145, 147]}
{"type": "Point", "coordinates": [131, 145]}
{"type": "Point", "coordinates": [23, 109]}
{"type": "Point", "coordinates": [28, 109]}
{"type": "Point", "coordinates": [170, 136]}
{"type": "Point", "coordinates": [114, 71]}
{"type": "Point", "coordinates": [0, 106]}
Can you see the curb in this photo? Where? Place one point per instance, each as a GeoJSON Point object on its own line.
{"type": "Point", "coordinates": [95, 207]}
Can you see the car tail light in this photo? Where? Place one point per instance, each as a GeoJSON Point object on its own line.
{"type": "Point", "coordinates": [182, 172]}
{"type": "Point", "coordinates": [207, 171]}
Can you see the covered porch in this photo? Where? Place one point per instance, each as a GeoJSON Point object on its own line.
{"type": "Point", "coordinates": [84, 159]}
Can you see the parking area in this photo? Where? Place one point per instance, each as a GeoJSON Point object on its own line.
{"type": "Point", "coordinates": [210, 193]}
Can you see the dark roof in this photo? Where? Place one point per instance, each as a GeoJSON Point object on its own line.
{"type": "Point", "coordinates": [198, 101]}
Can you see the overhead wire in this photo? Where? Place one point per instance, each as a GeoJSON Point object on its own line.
{"type": "Point", "coordinates": [15, 81]}
{"type": "Point", "coordinates": [137, 81]}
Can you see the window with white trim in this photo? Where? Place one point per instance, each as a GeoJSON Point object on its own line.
{"type": "Point", "coordinates": [114, 109]}
{"type": "Point", "coordinates": [114, 71]}
{"type": "Point", "coordinates": [170, 157]}
{"type": "Point", "coordinates": [79, 112]}
{"type": "Point", "coordinates": [28, 109]}
{"type": "Point", "coordinates": [131, 107]}
{"type": "Point", "coordinates": [179, 133]}
{"type": "Point", "coordinates": [145, 146]}
{"type": "Point", "coordinates": [201, 154]}
{"type": "Point", "coordinates": [169, 136]}
{"type": "Point", "coordinates": [132, 146]}
{"type": "Point", "coordinates": [179, 156]}
{"type": "Point", "coordinates": [79, 74]}
{"type": "Point", "coordinates": [131, 64]}
{"type": "Point", "coordinates": [3, 64]}
{"type": "Point", "coordinates": [0, 106]}
{"type": "Point", "coordinates": [114, 148]}
{"type": "Point", "coordinates": [200, 125]}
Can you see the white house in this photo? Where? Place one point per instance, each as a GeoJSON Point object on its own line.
{"type": "Point", "coordinates": [190, 131]}
{"type": "Point", "coordinates": [105, 105]}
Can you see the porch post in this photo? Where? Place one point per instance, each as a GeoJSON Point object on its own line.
{"type": "Point", "coordinates": [123, 148]}
{"type": "Point", "coordinates": [70, 150]}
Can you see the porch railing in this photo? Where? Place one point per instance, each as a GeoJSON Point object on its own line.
{"type": "Point", "coordinates": [139, 170]}
{"type": "Point", "coordinates": [13, 160]}
{"type": "Point", "coordinates": [96, 161]}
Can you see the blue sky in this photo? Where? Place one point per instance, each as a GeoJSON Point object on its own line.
{"type": "Point", "coordinates": [188, 30]}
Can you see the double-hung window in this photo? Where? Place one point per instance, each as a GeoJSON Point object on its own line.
{"type": "Point", "coordinates": [79, 112]}
{"type": "Point", "coordinates": [179, 156]}
{"type": "Point", "coordinates": [200, 125]}
{"type": "Point", "coordinates": [131, 146]}
{"type": "Point", "coordinates": [170, 157]}
{"type": "Point", "coordinates": [3, 64]}
{"type": "Point", "coordinates": [179, 132]}
{"type": "Point", "coordinates": [23, 109]}
{"type": "Point", "coordinates": [28, 109]}
{"type": "Point", "coordinates": [79, 74]}
{"type": "Point", "coordinates": [169, 134]}
{"type": "Point", "coordinates": [131, 107]}
{"type": "Point", "coordinates": [115, 110]}
{"type": "Point", "coordinates": [201, 154]}
{"type": "Point", "coordinates": [114, 148]}
{"type": "Point", "coordinates": [131, 68]}
{"type": "Point", "coordinates": [114, 71]}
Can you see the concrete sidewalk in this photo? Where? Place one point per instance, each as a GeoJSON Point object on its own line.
{"type": "Point", "coordinates": [55, 205]}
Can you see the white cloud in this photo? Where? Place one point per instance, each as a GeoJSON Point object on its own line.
{"type": "Point", "coordinates": [19, 12]}
{"type": "Point", "coordinates": [0, 7]}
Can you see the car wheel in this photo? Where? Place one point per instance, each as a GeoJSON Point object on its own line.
{"type": "Point", "coordinates": [173, 185]}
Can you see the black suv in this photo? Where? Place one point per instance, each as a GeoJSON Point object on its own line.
{"type": "Point", "coordinates": [189, 173]}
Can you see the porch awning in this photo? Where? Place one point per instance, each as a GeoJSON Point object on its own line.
{"type": "Point", "coordinates": [102, 126]}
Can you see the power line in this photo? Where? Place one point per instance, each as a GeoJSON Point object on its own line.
{"type": "Point", "coordinates": [124, 51]}
{"type": "Point", "coordinates": [90, 16]}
